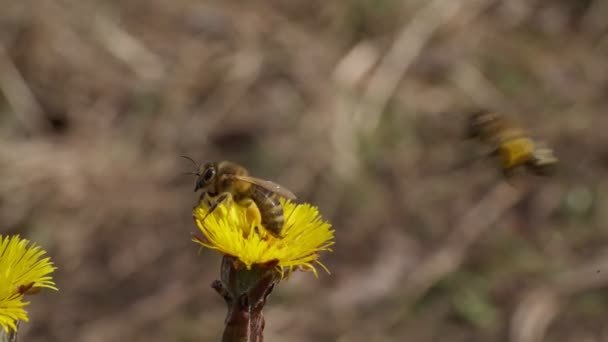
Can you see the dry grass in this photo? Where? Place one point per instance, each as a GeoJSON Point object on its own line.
{"type": "Point", "coordinates": [354, 106]}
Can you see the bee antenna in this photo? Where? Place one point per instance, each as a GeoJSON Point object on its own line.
{"type": "Point", "coordinates": [196, 166]}
{"type": "Point", "coordinates": [192, 161]}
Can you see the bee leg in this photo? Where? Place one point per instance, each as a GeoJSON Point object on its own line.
{"type": "Point", "coordinates": [261, 234]}
{"type": "Point", "coordinates": [215, 204]}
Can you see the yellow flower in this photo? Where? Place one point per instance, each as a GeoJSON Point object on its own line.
{"type": "Point", "coordinates": [22, 271]}
{"type": "Point", "coordinates": [11, 309]}
{"type": "Point", "coordinates": [234, 230]}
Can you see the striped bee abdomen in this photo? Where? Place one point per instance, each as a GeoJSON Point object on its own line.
{"type": "Point", "coordinates": [270, 209]}
{"type": "Point", "coordinates": [516, 152]}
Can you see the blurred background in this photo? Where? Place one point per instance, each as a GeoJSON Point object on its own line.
{"type": "Point", "coordinates": [356, 106]}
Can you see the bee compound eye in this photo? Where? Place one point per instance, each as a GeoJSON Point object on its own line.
{"type": "Point", "coordinates": [209, 174]}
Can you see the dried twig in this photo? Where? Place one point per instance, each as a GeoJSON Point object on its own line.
{"type": "Point", "coordinates": [474, 83]}
{"type": "Point", "coordinates": [348, 75]}
{"type": "Point", "coordinates": [405, 49]}
{"type": "Point", "coordinates": [450, 255]}
{"type": "Point", "coordinates": [541, 304]}
{"type": "Point", "coordinates": [19, 95]}
{"type": "Point", "coordinates": [353, 113]}
{"type": "Point", "coordinates": [128, 49]}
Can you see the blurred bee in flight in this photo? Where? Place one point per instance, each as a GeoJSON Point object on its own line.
{"type": "Point", "coordinates": [221, 181]}
{"type": "Point", "coordinates": [510, 143]}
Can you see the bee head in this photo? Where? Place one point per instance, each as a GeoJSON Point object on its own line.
{"type": "Point", "coordinates": [477, 121]}
{"type": "Point", "coordinates": [206, 176]}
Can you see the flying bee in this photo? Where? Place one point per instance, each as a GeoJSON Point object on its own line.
{"type": "Point", "coordinates": [510, 143]}
{"type": "Point", "coordinates": [221, 180]}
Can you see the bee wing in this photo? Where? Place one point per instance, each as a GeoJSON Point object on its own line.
{"type": "Point", "coordinates": [266, 184]}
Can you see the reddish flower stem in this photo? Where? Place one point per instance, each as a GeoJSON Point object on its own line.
{"type": "Point", "coordinates": [245, 292]}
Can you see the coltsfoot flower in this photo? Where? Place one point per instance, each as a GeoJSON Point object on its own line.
{"type": "Point", "coordinates": [23, 270]}
{"type": "Point", "coordinates": [235, 231]}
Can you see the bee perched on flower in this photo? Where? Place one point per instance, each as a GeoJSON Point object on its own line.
{"type": "Point", "coordinates": [259, 249]}
{"type": "Point", "coordinates": [23, 270]}
{"type": "Point", "coordinates": [257, 222]}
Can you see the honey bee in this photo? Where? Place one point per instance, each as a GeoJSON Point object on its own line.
{"type": "Point", "coordinates": [224, 180]}
{"type": "Point", "coordinates": [510, 143]}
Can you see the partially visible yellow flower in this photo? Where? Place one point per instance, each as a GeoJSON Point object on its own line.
{"type": "Point", "coordinates": [22, 270]}
{"type": "Point", "coordinates": [232, 230]}
{"type": "Point", "coordinates": [11, 309]}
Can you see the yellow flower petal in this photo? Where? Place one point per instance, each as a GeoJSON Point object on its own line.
{"type": "Point", "coordinates": [11, 309]}
{"type": "Point", "coordinates": [230, 230]}
{"type": "Point", "coordinates": [22, 270]}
